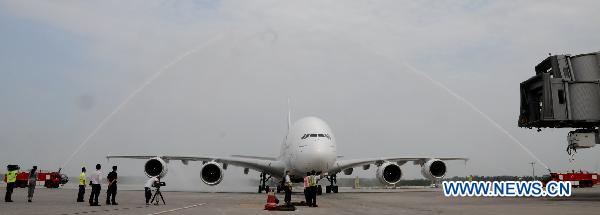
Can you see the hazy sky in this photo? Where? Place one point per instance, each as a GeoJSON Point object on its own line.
{"type": "Point", "coordinates": [65, 65]}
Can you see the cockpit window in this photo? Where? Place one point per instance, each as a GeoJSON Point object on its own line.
{"type": "Point", "coordinates": [315, 135]}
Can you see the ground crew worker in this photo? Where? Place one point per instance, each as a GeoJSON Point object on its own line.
{"type": "Point", "coordinates": [312, 183]}
{"type": "Point", "coordinates": [11, 178]}
{"type": "Point", "coordinates": [32, 180]}
{"type": "Point", "coordinates": [287, 187]}
{"type": "Point", "coordinates": [112, 187]}
{"type": "Point", "coordinates": [314, 178]}
{"type": "Point", "coordinates": [95, 183]}
{"type": "Point", "coordinates": [148, 187]}
{"type": "Point", "coordinates": [82, 183]}
{"type": "Point", "coordinates": [307, 195]}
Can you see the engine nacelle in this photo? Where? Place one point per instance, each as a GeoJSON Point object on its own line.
{"type": "Point", "coordinates": [348, 171]}
{"type": "Point", "coordinates": [389, 173]}
{"type": "Point", "coordinates": [211, 173]}
{"type": "Point", "coordinates": [155, 167]}
{"type": "Point", "coordinates": [433, 169]}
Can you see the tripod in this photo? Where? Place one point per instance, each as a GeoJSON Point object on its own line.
{"type": "Point", "coordinates": [159, 194]}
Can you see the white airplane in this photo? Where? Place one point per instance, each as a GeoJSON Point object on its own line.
{"type": "Point", "coordinates": [309, 146]}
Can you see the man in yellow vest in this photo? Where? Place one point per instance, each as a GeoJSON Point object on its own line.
{"type": "Point", "coordinates": [82, 180]}
{"type": "Point", "coordinates": [313, 182]}
{"type": "Point", "coordinates": [11, 178]}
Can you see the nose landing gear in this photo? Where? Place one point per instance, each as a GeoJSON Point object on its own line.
{"type": "Point", "coordinates": [263, 182]}
{"type": "Point", "coordinates": [332, 188]}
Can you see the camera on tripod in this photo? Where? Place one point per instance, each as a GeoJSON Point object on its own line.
{"type": "Point", "coordinates": [159, 184]}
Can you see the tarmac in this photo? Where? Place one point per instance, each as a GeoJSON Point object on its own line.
{"type": "Point", "coordinates": [61, 201]}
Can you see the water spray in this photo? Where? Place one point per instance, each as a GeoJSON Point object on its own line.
{"type": "Point", "coordinates": [468, 103]}
{"type": "Point", "coordinates": [137, 91]}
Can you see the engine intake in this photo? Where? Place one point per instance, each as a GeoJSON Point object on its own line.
{"type": "Point", "coordinates": [211, 173]}
{"type": "Point", "coordinates": [155, 167]}
{"type": "Point", "coordinates": [389, 173]}
{"type": "Point", "coordinates": [433, 169]}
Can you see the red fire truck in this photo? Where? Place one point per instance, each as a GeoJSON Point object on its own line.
{"type": "Point", "coordinates": [577, 179]}
{"type": "Point", "coordinates": [47, 178]}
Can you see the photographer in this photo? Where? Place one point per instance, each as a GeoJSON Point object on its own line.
{"type": "Point", "coordinates": [152, 182]}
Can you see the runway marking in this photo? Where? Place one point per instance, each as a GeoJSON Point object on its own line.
{"type": "Point", "coordinates": [176, 209]}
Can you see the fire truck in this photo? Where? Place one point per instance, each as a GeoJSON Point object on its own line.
{"type": "Point", "coordinates": [577, 179]}
{"type": "Point", "coordinates": [46, 178]}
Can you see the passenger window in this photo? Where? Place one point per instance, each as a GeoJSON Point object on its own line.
{"type": "Point", "coordinates": [313, 135]}
{"type": "Point", "coordinates": [321, 135]}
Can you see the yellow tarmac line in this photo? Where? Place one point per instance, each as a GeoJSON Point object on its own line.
{"type": "Point", "coordinates": [176, 209]}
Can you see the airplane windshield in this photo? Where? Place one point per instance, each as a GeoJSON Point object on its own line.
{"type": "Point", "coordinates": [305, 136]}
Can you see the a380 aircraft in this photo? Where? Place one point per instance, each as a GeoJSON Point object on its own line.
{"type": "Point", "coordinates": [309, 146]}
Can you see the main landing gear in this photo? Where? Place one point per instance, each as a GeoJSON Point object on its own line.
{"type": "Point", "coordinates": [263, 183]}
{"type": "Point", "coordinates": [332, 188]}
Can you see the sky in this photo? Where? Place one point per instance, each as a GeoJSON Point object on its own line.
{"type": "Point", "coordinates": [226, 69]}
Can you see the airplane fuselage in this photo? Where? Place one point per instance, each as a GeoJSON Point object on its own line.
{"type": "Point", "coordinates": [308, 146]}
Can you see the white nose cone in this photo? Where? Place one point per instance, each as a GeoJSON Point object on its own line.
{"type": "Point", "coordinates": [315, 152]}
{"type": "Point", "coordinates": [318, 157]}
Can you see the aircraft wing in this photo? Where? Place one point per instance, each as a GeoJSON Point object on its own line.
{"type": "Point", "coordinates": [417, 160]}
{"type": "Point", "coordinates": [271, 167]}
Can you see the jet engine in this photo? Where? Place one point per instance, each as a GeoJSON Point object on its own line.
{"type": "Point", "coordinates": [211, 173]}
{"type": "Point", "coordinates": [155, 167]}
{"type": "Point", "coordinates": [389, 173]}
{"type": "Point", "coordinates": [433, 169]}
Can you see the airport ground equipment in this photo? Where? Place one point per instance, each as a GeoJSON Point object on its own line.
{"type": "Point", "coordinates": [46, 178]}
{"type": "Point", "coordinates": [577, 179]}
{"type": "Point", "coordinates": [157, 193]}
{"type": "Point", "coordinates": [564, 93]}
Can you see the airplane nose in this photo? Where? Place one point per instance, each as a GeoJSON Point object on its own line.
{"type": "Point", "coordinates": [316, 157]}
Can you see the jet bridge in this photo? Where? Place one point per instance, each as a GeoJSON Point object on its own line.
{"type": "Point", "coordinates": [564, 93]}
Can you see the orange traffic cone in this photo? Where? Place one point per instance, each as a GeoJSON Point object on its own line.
{"type": "Point", "coordinates": [271, 201]}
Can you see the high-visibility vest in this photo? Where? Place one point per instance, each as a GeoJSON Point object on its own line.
{"type": "Point", "coordinates": [82, 178]}
{"type": "Point", "coordinates": [312, 181]}
{"type": "Point", "coordinates": [11, 176]}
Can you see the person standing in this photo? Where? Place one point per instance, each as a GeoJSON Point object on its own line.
{"type": "Point", "coordinates": [307, 195]}
{"type": "Point", "coordinates": [11, 178]}
{"type": "Point", "coordinates": [287, 188]}
{"type": "Point", "coordinates": [148, 188]}
{"type": "Point", "coordinates": [82, 183]}
{"type": "Point", "coordinates": [112, 187]}
{"type": "Point", "coordinates": [95, 183]}
{"type": "Point", "coordinates": [312, 183]}
{"type": "Point", "coordinates": [32, 180]}
{"type": "Point", "coordinates": [314, 178]}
